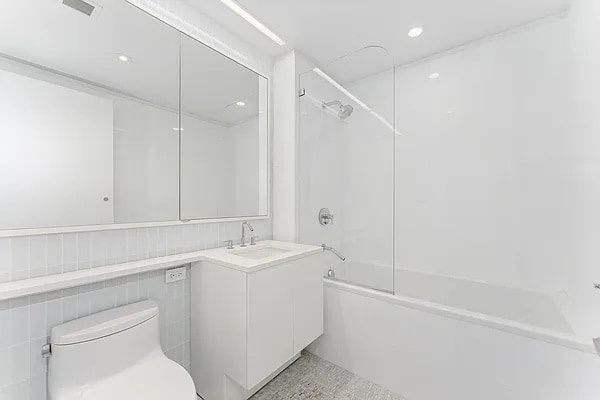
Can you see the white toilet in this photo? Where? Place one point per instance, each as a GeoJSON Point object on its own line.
{"type": "Point", "coordinates": [115, 355]}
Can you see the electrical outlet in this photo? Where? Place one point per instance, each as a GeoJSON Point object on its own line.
{"type": "Point", "coordinates": [176, 274]}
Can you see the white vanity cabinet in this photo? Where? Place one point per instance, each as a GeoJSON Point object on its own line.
{"type": "Point", "coordinates": [249, 325]}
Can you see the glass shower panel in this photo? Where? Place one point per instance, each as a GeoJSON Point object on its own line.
{"type": "Point", "coordinates": [346, 166]}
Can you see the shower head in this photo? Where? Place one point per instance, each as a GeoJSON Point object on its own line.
{"type": "Point", "coordinates": [344, 110]}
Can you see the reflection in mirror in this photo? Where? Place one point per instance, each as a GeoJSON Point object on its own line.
{"type": "Point", "coordinates": [224, 133]}
{"type": "Point", "coordinates": [89, 115]}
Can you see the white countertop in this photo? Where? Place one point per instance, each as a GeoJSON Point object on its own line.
{"type": "Point", "coordinates": [220, 256]}
{"type": "Point", "coordinates": [226, 258]}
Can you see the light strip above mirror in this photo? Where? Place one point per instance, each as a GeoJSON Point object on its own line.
{"type": "Point", "coordinates": [188, 27]}
{"type": "Point", "coordinates": [236, 8]}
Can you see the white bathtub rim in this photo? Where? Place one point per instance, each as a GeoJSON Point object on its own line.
{"type": "Point", "coordinates": [517, 328]}
{"type": "Point", "coordinates": [552, 293]}
{"type": "Point", "coordinates": [561, 299]}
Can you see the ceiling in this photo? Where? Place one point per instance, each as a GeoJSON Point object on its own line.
{"type": "Point", "coordinates": [49, 34]}
{"type": "Point", "coordinates": [325, 30]}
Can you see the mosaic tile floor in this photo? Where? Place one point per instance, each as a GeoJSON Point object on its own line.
{"type": "Point", "coordinates": [311, 377]}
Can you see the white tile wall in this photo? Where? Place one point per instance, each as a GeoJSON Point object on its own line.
{"type": "Point", "coordinates": [25, 322]}
{"type": "Point", "coordinates": [34, 256]}
{"type": "Point", "coordinates": [25, 325]}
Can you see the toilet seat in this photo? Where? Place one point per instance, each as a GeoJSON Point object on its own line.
{"type": "Point", "coordinates": [156, 379]}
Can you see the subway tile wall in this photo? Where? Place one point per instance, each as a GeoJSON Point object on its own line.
{"type": "Point", "coordinates": [35, 256]}
{"type": "Point", "coordinates": [25, 323]}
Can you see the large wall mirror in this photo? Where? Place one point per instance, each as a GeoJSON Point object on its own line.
{"type": "Point", "coordinates": [110, 116]}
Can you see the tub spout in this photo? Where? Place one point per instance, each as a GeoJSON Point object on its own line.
{"type": "Point", "coordinates": [334, 251]}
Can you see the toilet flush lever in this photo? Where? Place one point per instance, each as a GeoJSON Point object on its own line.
{"type": "Point", "coordinates": [46, 350]}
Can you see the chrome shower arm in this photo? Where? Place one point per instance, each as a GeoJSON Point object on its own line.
{"type": "Point", "coordinates": [333, 103]}
{"type": "Point", "coordinates": [334, 251]}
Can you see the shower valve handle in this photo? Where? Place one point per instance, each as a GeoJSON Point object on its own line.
{"type": "Point", "coordinates": [325, 216]}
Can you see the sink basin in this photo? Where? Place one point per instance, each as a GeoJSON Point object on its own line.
{"type": "Point", "coordinates": [260, 252]}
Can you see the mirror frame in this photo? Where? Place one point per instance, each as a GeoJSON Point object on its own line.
{"type": "Point", "coordinates": [4, 233]}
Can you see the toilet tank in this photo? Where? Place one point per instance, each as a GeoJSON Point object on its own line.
{"type": "Point", "coordinates": [92, 348]}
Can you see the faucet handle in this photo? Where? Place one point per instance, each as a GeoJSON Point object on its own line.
{"type": "Point", "coordinates": [253, 240]}
{"type": "Point", "coordinates": [229, 244]}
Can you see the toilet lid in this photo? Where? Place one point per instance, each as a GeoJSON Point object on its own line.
{"type": "Point", "coordinates": [158, 379]}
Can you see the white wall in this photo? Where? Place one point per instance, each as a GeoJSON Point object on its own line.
{"type": "Point", "coordinates": [122, 149]}
{"type": "Point", "coordinates": [146, 163]}
{"type": "Point", "coordinates": [496, 166]}
{"type": "Point", "coordinates": [55, 155]}
{"type": "Point", "coordinates": [577, 255]}
{"type": "Point", "coordinates": [284, 148]}
{"type": "Point", "coordinates": [369, 174]}
{"type": "Point", "coordinates": [206, 170]}
{"type": "Point", "coordinates": [220, 169]}
{"type": "Point", "coordinates": [244, 140]}
{"type": "Point", "coordinates": [484, 185]}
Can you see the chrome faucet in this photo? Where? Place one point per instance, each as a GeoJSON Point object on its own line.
{"type": "Point", "coordinates": [334, 251]}
{"type": "Point", "coordinates": [243, 240]}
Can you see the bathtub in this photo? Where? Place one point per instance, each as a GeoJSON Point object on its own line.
{"type": "Point", "coordinates": [443, 337]}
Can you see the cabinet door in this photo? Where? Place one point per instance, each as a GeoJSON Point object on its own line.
{"type": "Point", "coordinates": [270, 322]}
{"type": "Point", "coordinates": [307, 288]}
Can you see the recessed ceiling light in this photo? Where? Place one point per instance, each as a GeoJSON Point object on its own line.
{"type": "Point", "coordinates": [235, 7]}
{"type": "Point", "coordinates": [415, 32]}
{"type": "Point", "coordinates": [123, 57]}
{"type": "Point", "coordinates": [434, 75]}
{"type": "Point", "coordinates": [241, 103]}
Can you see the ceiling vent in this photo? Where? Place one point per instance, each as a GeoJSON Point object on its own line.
{"type": "Point", "coordinates": [81, 6]}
